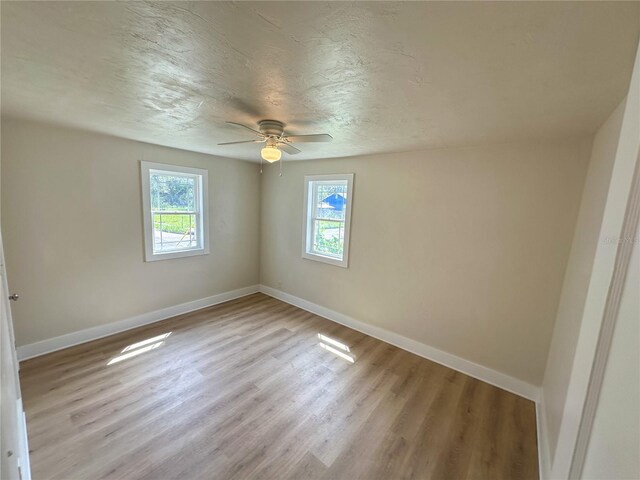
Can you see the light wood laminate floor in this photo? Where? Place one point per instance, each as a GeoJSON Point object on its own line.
{"type": "Point", "coordinates": [247, 389]}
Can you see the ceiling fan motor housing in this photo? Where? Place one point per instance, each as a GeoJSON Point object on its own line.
{"type": "Point", "coordinates": [271, 127]}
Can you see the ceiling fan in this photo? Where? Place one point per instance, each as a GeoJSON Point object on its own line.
{"type": "Point", "coordinates": [272, 133]}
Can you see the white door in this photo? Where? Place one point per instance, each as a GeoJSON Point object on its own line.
{"type": "Point", "coordinates": [14, 452]}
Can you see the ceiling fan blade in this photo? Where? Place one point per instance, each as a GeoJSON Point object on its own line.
{"type": "Point", "coordinates": [290, 149]}
{"type": "Point", "coordinates": [320, 137]}
{"type": "Point", "coordinates": [248, 128]}
{"type": "Point", "coordinates": [243, 141]}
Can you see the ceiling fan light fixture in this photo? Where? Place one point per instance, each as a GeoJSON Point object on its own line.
{"type": "Point", "coordinates": [271, 153]}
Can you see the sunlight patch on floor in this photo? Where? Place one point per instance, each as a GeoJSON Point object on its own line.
{"type": "Point", "coordinates": [138, 348]}
{"type": "Point", "coordinates": [337, 348]}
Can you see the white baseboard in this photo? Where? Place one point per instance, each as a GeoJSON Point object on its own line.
{"type": "Point", "coordinates": [501, 380]}
{"type": "Point", "coordinates": [94, 333]}
{"type": "Point", "coordinates": [467, 367]}
{"type": "Point", "coordinates": [544, 458]}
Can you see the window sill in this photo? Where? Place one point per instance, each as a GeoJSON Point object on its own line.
{"type": "Point", "coordinates": [326, 259]}
{"type": "Point", "coordinates": [177, 254]}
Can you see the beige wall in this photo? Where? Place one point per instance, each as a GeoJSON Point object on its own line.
{"type": "Point", "coordinates": [578, 274]}
{"type": "Point", "coordinates": [461, 249]}
{"type": "Point", "coordinates": [72, 227]}
{"type": "Point", "coordinates": [614, 447]}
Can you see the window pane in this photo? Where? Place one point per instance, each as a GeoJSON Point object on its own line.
{"type": "Point", "coordinates": [330, 200]}
{"type": "Point", "coordinates": [328, 238]}
{"type": "Point", "coordinates": [174, 232]}
{"type": "Point", "coordinates": [172, 193]}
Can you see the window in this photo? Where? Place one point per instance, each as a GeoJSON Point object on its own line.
{"type": "Point", "coordinates": [174, 202]}
{"type": "Point", "coordinates": [327, 218]}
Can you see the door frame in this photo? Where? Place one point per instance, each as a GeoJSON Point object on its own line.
{"type": "Point", "coordinates": [19, 423]}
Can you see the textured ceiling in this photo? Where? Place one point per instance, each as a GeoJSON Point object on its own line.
{"type": "Point", "coordinates": [377, 76]}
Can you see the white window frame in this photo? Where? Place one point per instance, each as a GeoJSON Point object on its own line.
{"type": "Point", "coordinates": [308, 222]}
{"type": "Point", "coordinates": [201, 212]}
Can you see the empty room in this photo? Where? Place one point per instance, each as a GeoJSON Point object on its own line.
{"type": "Point", "coordinates": [320, 240]}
